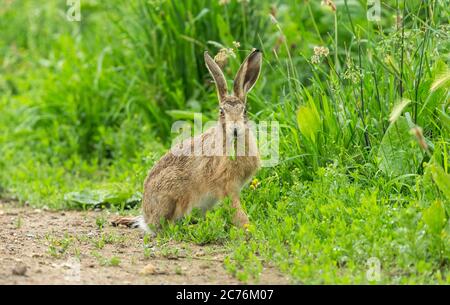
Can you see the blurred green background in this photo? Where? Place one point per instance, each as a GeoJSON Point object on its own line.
{"type": "Point", "coordinates": [86, 109]}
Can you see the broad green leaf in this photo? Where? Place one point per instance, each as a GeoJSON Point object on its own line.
{"type": "Point", "coordinates": [434, 217]}
{"type": "Point", "coordinates": [441, 178]}
{"type": "Point", "coordinates": [308, 121]}
{"type": "Point", "coordinates": [113, 194]}
{"type": "Point", "coordinates": [399, 153]}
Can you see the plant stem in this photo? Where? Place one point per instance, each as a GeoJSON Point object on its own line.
{"type": "Point", "coordinates": [402, 49]}
{"type": "Point", "coordinates": [419, 78]}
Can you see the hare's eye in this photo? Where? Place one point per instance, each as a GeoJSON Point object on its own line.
{"type": "Point", "coordinates": [222, 112]}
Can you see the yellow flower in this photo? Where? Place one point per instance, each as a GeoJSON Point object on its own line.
{"type": "Point", "coordinates": [254, 184]}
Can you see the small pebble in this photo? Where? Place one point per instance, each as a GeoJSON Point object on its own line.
{"type": "Point", "coordinates": [20, 270]}
{"type": "Point", "coordinates": [148, 270]}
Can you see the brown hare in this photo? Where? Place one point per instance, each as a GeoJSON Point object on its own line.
{"type": "Point", "coordinates": [199, 172]}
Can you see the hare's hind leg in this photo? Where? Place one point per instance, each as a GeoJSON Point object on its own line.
{"type": "Point", "coordinates": [157, 208]}
{"type": "Point", "coordinates": [127, 221]}
{"type": "Point", "coordinates": [240, 219]}
{"type": "Point", "coordinates": [132, 222]}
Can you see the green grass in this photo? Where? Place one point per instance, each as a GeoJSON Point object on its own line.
{"type": "Point", "coordinates": [86, 110]}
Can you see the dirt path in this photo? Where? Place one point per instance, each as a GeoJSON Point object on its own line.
{"type": "Point", "coordinates": [68, 247]}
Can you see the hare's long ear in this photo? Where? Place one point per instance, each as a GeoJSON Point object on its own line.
{"type": "Point", "coordinates": [247, 74]}
{"type": "Point", "coordinates": [218, 76]}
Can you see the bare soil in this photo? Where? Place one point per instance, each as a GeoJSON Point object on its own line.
{"type": "Point", "coordinates": [69, 247]}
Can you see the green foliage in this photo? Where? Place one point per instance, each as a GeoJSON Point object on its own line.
{"type": "Point", "coordinates": [434, 217]}
{"type": "Point", "coordinates": [325, 231]}
{"type": "Point", "coordinates": [442, 179]}
{"type": "Point", "coordinates": [308, 121]}
{"type": "Point", "coordinates": [168, 39]}
{"type": "Point", "coordinates": [214, 227]}
{"type": "Point", "coordinates": [115, 194]}
{"type": "Point", "coordinates": [399, 153]}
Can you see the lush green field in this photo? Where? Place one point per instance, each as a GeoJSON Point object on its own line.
{"type": "Point", "coordinates": [86, 109]}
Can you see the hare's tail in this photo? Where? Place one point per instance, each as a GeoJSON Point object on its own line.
{"type": "Point", "coordinates": [131, 222]}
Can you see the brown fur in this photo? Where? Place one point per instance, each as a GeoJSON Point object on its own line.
{"type": "Point", "coordinates": [178, 183]}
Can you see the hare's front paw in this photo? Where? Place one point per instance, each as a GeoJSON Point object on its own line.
{"type": "Point", "coordinates": [240, 219]}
